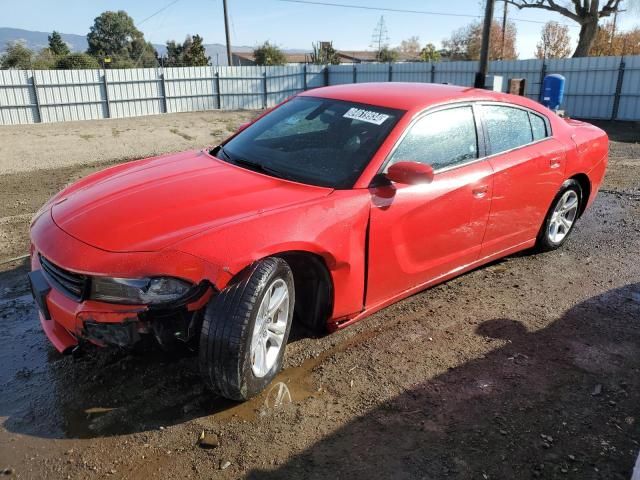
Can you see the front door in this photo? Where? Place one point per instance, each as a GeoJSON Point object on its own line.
{"type": "Point", "coordinates": [421, 232]}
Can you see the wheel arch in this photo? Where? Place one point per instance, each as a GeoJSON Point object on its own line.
{"type": "Point", "coordinates": [314, 287]}
{"type": "Point", "coordinates": [585, 186]}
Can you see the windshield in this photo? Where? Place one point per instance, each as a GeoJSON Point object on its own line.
{"type": "Point", "coordinates": [312, 140]}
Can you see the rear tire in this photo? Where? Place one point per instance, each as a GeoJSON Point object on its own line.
{"type": "Point", "coordinates": [245, 331]}
{"type": "Point", "coordinates": [561, 217]}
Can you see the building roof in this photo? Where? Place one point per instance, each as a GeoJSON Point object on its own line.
{"type": "Point", "coordinates": [346, 56]}
{"type": "Point", "coordinates": [290, 57]}
{"type": "Point", "coordinates": [371, 56]}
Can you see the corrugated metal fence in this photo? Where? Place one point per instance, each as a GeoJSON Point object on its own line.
{"type": "Point", "coordinates": [597, 87]}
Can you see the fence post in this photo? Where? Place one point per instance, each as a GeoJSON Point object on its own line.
{"type": "Point", "coordinates": [218, 93]}
{"type": "Point", "coordinates": [543, 73]}
{"type": "Point", "coordinates": [616, 98]}
{"type": "Point", "coordinates": [390, 72]}
{"type": "Point", "coordinates": [304, 77]}
{"type": "Point", "coordinates": [264, 89]}
{"type": "Point", "coordinates": [433, 73]}
{"type": "Point", "coordinates": [36, 96]}
{"type": "Point", "coordinates": [164, 92]}
{"type": "Point", "coordinates": [355, 74]}
{"type": "Point", "coordinates": [106, 93]}
{"type": "Point", "coordinates": [326, 76]}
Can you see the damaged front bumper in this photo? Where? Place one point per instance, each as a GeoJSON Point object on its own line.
{"type": "Point", "coordinates": [67, 321]}
{"type": "Point", "coordinates": [60, 264]}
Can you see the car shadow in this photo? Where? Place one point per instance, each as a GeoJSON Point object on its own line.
{"type": "Point", "coordinates": [559, 402]}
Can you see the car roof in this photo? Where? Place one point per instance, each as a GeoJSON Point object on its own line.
{"type": "Point", "coordinates": [410, 96]}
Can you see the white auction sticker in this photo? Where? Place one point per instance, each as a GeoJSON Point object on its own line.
{"type": "Point", "coordinates": [366, 116]}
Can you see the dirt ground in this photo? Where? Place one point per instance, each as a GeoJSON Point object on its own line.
{"type": "Point", "coordinates": [527, 368]}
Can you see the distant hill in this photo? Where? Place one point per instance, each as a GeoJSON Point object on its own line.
{"type": "Point", "coordinates": [38, 40]}
{"type": "Point", "coordinates": [78, 43]}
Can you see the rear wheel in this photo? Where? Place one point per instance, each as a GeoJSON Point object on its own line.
{"type": "Point", "coordinates": [561, 217]}
{"type": "Point", "coordinates": [245, 331]}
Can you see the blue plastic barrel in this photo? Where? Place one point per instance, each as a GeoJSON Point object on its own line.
{"type": "Point", "coordinates": [552, 91]}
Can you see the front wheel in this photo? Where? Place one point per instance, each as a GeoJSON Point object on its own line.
{"type": "Point", "coordinates": [561, 217]}
{"type": "Point", "coordinates": [245, 331]}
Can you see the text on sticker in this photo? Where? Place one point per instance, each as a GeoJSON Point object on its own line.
{"type": "Point", "coordinates": [366, 116]}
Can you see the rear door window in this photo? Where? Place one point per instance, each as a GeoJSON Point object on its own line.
{"type": "Point", "coordinates": [507, 127]}
{"type": "Point", "coordinates": [441, 139]}
{"type": "Point", "coordinates": [538, 126]}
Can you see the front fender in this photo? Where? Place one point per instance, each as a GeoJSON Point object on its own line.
{"type": "Point", "coordinates": [333, 227]}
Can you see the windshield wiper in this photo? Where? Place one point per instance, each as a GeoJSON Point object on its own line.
{"type": "Point", "coordinates": [259, 167]}
{"type": "Point", "coordinates": [255, 166]}
{"type": "Point", "coordinates": [224, 152]}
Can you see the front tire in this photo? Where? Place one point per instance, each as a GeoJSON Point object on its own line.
{"type": "Point", "coordinates": [245, 331]}
{"type": "Point", "coordinates": [561, 217]}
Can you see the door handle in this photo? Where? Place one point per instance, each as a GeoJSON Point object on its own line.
{"type": "Point", "coordinates": [555, 162]}
{"type": "Point", "coordinates": [480, 191]}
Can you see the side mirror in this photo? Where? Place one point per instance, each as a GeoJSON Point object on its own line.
{"type": "Point", "coordinates": [410, 173]}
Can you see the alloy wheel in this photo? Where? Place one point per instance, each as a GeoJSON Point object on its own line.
{"type": "Point", "coordinates": [563, 216]}
{"type": "Point", "coordinates": [270, 327]}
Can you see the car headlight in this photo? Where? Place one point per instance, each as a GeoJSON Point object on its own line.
{"type": "Point", "coordinates": [146, 291]}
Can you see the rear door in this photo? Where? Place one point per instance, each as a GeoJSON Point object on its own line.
{"type": "Point", "coordinates": [421, 232]}
{"type": "Point", "coordinates": [528, 165]}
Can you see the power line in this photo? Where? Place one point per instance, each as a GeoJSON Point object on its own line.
{"type": "Point", "coordinates": [158, 11]}
{"type": "Point", "coordinates": [137, 62]}
{"type": "Point", "coordinates": [400, 10]}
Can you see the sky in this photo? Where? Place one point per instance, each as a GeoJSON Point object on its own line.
{"type": "Point", "coordinates": [288, 25]}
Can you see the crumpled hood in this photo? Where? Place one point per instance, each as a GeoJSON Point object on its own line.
{"type": "Point", "coordinates": [151, 204]}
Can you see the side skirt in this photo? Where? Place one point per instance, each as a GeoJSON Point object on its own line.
{"type": "Point", "coordinates": [339, 324]}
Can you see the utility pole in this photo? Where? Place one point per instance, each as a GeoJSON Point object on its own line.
{"type": "Point", "coordinates": [504, 28]}
{"type": "Point", "coordinates": [380, 37]}
{"type": "Point", "coordinates": [613, 32]}
{"type": "Point", "coordinates": [226, 32]}
{"type": "Point", "coordinates": [484, 52]}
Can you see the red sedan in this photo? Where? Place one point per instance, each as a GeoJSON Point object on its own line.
{"type": "Point", "coordinates": [337, 203]}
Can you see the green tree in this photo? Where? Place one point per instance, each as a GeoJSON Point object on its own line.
{"type": "Point", "coordinates": [387, 55]}
{"type": "Point", "coordinates": [57, 46]}
{"type": "Point", "coordinates": [114, 35]}
{"type": "Point", "coordinates": [77, 61]}
{"type": "Point", "coordinates": [323, 53]}
{"type": "Point", "coordinates": [173, 57]}
{"type": "Point", "coordinates": [44, 60]}
{"type": "Point", "coordinates": [429, 53]}
{"type": "Point", "coordinates": [17, 56]}
{"type": "Point", "coordinates": [141, 54]}
{"type": "Point", "coordinates": [191, 53]}
{"type": "Point", "coordinates": [267, 54]}
{"type": "Point", "coordinates": [195, 54]}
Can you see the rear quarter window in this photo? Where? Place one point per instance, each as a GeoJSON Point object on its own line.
{"type": "Point", "coordinates": [538, 126]}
